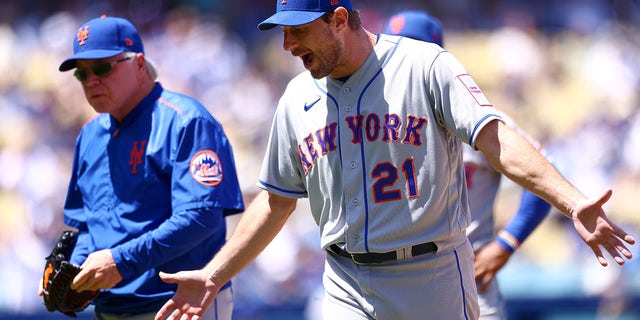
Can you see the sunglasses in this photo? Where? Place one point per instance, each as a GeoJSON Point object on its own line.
{"type": "Point", "coordinates": [100, 69]}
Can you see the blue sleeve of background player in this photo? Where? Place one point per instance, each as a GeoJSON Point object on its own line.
{"type": "Point", "coordinates": [530, 214]}
{"type": "Point", "coordinates": [180, 233]}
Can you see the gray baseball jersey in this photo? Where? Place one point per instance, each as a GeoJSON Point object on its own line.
{"type": "Point", "coordinates": [379, 155]}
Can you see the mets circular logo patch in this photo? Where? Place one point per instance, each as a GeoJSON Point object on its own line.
{"type": "Point", "coordinates": [205, 168]}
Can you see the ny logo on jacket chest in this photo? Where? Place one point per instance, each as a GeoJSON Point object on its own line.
{"type": "Point", "coordinates": [135, 156]}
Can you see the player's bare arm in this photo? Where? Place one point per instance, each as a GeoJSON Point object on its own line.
{"type": "Point", "coordinates": [197, 289]}
{"type": "Point", "coordinates": [259, 225]}
{"type": "Point", "coordinates": [516, 158]}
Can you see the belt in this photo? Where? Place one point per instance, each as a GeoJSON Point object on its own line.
{"type": "Point", "coordinates": [380, 257]}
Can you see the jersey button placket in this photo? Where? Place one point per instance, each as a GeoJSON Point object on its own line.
{"type": "Point", "coordinates": [352, 175]}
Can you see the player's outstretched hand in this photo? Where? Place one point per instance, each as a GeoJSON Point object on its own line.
{"type": "Point", "coordinates": [597, 231]}
{"type": "Point", "coordinates": [195, 294]}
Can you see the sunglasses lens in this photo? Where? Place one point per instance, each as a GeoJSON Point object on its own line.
{"type": "Point", "coordinates": [101, 69]}
{"type": "Point", "coordinates": [81, 74]}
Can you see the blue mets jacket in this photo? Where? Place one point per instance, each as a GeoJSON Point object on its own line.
{"type": "Point", "coordinates": [153, 189]}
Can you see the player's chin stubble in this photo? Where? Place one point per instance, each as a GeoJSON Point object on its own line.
{"type": "Point", "coordinates": [328, 60]}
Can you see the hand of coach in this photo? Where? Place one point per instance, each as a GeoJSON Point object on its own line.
{"type": "Point", "coordinates": [99, 271]}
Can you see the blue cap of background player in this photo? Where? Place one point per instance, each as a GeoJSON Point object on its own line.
{"type": "Point", "coordinates": [298, 12]}
{"type": "Point", "coordinates": [417, 25]}
{"type": "Point", "coordinates": [101, 38]}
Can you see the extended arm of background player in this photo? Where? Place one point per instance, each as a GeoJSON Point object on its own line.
{"type": "Point", "coordinates": [530, 214]}
{"type": "Point", "coordinates": [512, 155]}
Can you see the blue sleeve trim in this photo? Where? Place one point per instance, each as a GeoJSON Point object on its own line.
{"type": "Point", "coordinates": [504, 244]}
{"type": "Point", "coordinates": [530, 214]}
{"type": "Point", "coordinates": [478, 126]}
{"type": "Point", "coordinates": [299, 193]}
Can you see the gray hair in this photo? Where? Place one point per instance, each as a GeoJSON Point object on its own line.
{"type": "Point", "coordinates": [151, 68]}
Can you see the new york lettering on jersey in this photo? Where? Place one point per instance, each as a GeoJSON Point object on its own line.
{"type": "Point", "coordinates": [373, 127]}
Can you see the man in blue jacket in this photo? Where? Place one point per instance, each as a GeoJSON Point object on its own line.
{"type": "Point", "coordinates": [152, 181]}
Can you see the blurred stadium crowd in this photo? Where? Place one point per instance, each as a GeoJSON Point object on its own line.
{"type": "Point", "coordinates": [568, 72]}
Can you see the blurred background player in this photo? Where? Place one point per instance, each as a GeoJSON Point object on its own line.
{"type": "Point", "coordinates": [152, 181]}
{"type": "Point", "coordinates": [492, 251]}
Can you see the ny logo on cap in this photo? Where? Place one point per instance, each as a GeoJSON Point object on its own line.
{"type": "Point", "coordinates": [82, 35]}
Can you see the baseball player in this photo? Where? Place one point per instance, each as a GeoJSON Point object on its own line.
{"type": "Point", "coordinates": [152, 181]}
{"type": "Point", "coordinates": [492, 250]}
{"type": "Point", "coordinates": [371, 133]}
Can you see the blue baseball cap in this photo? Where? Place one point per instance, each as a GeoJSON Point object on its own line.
{"type": "Point", "coordinates": [101, 38]}
{"type": "Point", "coordinates": [298, 12]}
{"type": "Point", "coordinates": [417, 25]}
